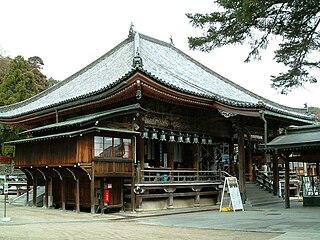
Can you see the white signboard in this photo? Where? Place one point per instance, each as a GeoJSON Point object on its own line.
{"type": "Point", "coordinates": [231, 187]}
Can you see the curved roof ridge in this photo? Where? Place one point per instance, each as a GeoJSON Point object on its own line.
{"type": "Point", "coordinates": [222, 78]}
{"type": "Point", "coordinates": [65, 81]}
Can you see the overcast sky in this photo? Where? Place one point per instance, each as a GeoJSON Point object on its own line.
{"type": "Point", "coordinates": [70, 34]}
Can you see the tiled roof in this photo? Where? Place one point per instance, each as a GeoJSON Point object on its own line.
{"type": "Point", "coordinates": [71, 134]}
{"type": "Point", "coordinates": [161, 61]}
{"type": "Point", "coordinates": [85, 119]}
{"type": "Point", "coordinates": [297, 137]}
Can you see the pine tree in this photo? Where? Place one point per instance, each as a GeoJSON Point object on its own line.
{"type": "Point", "coordinates": [295, 22]}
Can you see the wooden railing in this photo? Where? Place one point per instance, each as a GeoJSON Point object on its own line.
{"type": "Point", "coordinates": [180, 176]}
{"type": "Point", "coordinates": [265, 179]}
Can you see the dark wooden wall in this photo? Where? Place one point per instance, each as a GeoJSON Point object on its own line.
{"type": "Point", "coordinates": [52, 152]}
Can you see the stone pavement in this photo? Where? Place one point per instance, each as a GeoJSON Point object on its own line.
{"type": "Point", "coordinates": [297, 222]}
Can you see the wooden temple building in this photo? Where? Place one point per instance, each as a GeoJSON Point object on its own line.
{"type": "Point", "coordinates": [145, 126]}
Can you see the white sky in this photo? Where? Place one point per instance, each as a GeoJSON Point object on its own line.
{"type": "Point", "coordinates": [70, 34]}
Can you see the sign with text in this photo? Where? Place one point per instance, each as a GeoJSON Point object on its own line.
{"type": "Point", "coordinates": [232, 194]}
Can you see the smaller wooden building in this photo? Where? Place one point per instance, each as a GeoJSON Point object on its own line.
{"type": "Point", "coordinates": [299, 144]}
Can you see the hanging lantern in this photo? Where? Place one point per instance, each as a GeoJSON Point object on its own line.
{"type": "Point", "coordinates": [163, 136]}
{"type": "Point", "coordinates": [195, 138]}
{"type": "Point", "coordinates": [187, 138]}
{"type": "Point", "coordinates": [210, 140]}
{"type": "Point", "coordinates": [154, 134]}
{"type": "Point", "coordinates": [180, 138]}
{"type": "Point", "coordinates": [145, 133]}
{"type": "Point", "coordinates": [203, 140]}
{"type": "Point", "coordinates": [171, 137]}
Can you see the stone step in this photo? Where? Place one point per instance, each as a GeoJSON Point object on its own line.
{"type": "Point", "coordinates": [258, 196]}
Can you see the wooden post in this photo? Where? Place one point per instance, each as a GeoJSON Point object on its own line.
{"type": "Point", "coordinates": [196, 158]}
{"type": "Point", "coordinates": [231, 154]}
{"type": "Point", "coordinates": [35, 185]}
{"type": "Point", "coordinates": [28, 189]}
{"type": "Point", "coordinates": [275, 173]}
{"type": "Point", "coordinates": [77, 196]}
{"type": "Point", "coordinates": [241, 155]}
{"type": "Point", "coordinates": [63, 194]}
{"type": "Point", "coordinates": [170, 155]}
{"type": "Point", "coordinates": [133, 200]}
{"type": "Point", "coordinates": [46, 191]}
{"type": "Point", "coordinates": [140, 151]}
{"type": "Point", "coordinates": [92, 196]}
{"type": "Point", "coordinates": [250, 167]}
{"type": "Point", "coordinates": [121, 193]}
{"type": "Point", "coordinates": [286, 182]}
{"type": "Point", "coordinates": [138, 196]}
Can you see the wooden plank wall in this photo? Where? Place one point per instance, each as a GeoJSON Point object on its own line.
{"type": "Point", "coordinates": [85, 148]}
{"type": "Point", "coordinates": [51, 153]}
{"type": "Point", "coordinates": [109, 167]}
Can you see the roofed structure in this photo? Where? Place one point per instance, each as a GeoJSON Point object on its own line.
{"type": "Point", "coordinates": [160, 61]}
{"type": "Point", "coordinates": [138, 123]}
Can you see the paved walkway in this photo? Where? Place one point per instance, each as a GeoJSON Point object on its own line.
{"type": "Point", "coordinates": [297, 222]}
{"type": "Point", "coordinates": [270, 222]}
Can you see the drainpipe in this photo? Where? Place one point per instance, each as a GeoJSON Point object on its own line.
{"type": "Point", "coordinates": [265, 128]}
{"type": "Point", "coordinates": [265, 135]}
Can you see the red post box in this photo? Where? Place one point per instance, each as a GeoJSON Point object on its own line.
{"type": "Point", "coordinates": [106, 196]}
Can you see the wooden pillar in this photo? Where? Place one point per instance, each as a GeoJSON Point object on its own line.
{"type": "Point", "coordinates": [231, 156]}
{"type": "Point", "coordinates": [286, 183]}
{"type": "Point", "coordinates": [249, 151]}
{"type": "Point", "coordinates": [170, 155]}
{"type": "Point", "coordinates": [92, 195]}
{"type": "Point", "coordinates": [241, 156]}
{"type": "Point", "coordinates": [28, 189]}
{"type": "Point", "coordinates": [138, 194]}
{"type": "Point", "coordinates": [133, 199]}
{"type": "Point", "coordinates": [35, 185]}
{"type": "Point", "coordinates": [63, 194]}
{"type": "Point", "coordinates": [275, 171]}
{"type": "Point", "coordinates": [140, 151]}
{"type": "Point", "coordinates": [46, 191]}
{"type": "Point", "coordinates": [77, 195]}
{"type": "Point", "coordinates": [196, 157]}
